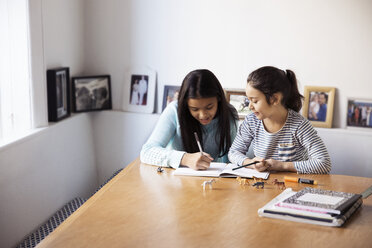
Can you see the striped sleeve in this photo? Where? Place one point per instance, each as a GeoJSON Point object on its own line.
{"type": "Point", "coordinates": [154, 151]}
{"type": "Point", "coordinates": [319, 160]}
{"type": "Point", "coordinates": [240, 146]}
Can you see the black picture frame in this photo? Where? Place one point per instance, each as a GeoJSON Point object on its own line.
{"type": "Point", "coordinates": [58, 89]}
{"type": "Point", "coordinates": [170, 94]}
{"type": "Point", "coordinates": [91, 93]}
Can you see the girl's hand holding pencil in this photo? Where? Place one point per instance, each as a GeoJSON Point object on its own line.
{"type": "Point", "coordinates": [197, 161]}
{"type": "Point", "coordinates": [256, 163]}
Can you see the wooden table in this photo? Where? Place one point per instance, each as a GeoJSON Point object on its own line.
{"type": "Point", "coordinates": [143, 208]}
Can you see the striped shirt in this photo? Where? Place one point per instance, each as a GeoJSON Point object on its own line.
{"type": "Point", "coordinates": [165, 146]}
{"type": "Point", "coordinates": [297, 141]}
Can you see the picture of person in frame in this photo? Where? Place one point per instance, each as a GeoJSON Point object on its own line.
{"type": "Point", "coordinates": [134, 95]}
{"type": "Point", "coordinates": [92, 94]}
{"type": "Point", "coordinates": [142, 90]}
{"type": "Point", "coordinates": [138, 91]}
{"type": "Point", "coordinates": [322, 113]}
{"type": "Point", "coordinates": [241, 104]}
{"type": "Point", "coordinates": [172, 96]}
{"type": "Point", "coordinates": [313, 106]}
{"type": "Point", "coordinates": [359, 113]}
{"type": "Point", "coordinates": [318, 106]}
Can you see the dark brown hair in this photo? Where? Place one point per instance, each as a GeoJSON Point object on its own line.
{"type": "Point", "coordinates": [204, 84]}
{"type": "Point", "coordinates": [270, 80]}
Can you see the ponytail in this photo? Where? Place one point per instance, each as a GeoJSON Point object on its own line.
{"type": "Point", "coordinates": [295, 98]}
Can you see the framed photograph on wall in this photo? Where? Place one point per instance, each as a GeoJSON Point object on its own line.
{"type": "Point", "coordinates": [58, 89]}
{"type": "Point", "coordinates": [318, 105]}
{"type": "Point", "coordinates": [239, 100]}
{"type": "Point", "coordinates": [359, 113]}
{"type": "Point", "coordinates": [139, 90]}
{"type": "Point", "coordinates": [91, 93]}
{"type": "Point", "coordinates": [170, 94]}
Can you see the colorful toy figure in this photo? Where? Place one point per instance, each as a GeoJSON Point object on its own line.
{"type": "Point", "coordinates": [160, 169]}
{"type": "Point", "coordinates": [242, 181]}
{"type": "Point", "coordinates": [280, 185]}
{"type": "Point", "coordinates": [209, 183]}
{"type": "Point", "coordinates": [259, 185]}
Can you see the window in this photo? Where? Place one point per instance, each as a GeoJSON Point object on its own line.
{"type": "Point", "coordinates": [15, 78]}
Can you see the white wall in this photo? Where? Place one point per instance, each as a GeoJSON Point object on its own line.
{"type": "Point", "coordinates": [42, 173]}
{"type": "Point", "coordinates": [63, 26]}
{"type": "Point", "coordinates": [118, 138]}
{"type": "Point", "coordinates": [326, 43]}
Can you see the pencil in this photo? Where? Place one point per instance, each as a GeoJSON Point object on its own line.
{"type": "Point", "coordinates": [255, 162]}
{"type": "Point", "coordinates": [198, 141]}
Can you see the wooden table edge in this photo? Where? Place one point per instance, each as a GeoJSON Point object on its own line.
{"type": "Point", "coordinates": [65, 224]}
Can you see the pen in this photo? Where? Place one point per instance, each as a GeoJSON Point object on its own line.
{"type": "Point", "coordinates": [299, 180]}
{"type": "Point", "coordinates": [255, 162]}
{"type": "Point", "coordinates": [198, 141]}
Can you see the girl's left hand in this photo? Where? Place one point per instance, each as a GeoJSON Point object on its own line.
{"type": "Point", "coordinates": [273, 164]}
{"type": "Point", "coordinates": [261, 166]}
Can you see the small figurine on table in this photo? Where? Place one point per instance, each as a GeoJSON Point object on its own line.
{"type": "Point", "coordinates": [242, 181]}
{"type": "Point", "coordinates": [209, 183]}
{"type": "Point", "coordinates": [160, 169]}
{"type": "Point", "coordinates": [258, 184]}
{"type": "Point", "coordinates": [280, 185]}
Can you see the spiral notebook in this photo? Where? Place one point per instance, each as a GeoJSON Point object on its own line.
{"type": "Point", "coordinates": [320, 200]}
{"type": "Point", "coordinates": [273, 209]}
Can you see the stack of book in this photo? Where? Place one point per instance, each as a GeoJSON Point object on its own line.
{"type": "Point", "coordinates": [314, 206]}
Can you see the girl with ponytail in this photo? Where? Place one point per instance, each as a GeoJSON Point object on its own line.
{"type": "Point", "coordinates": [282, 139]}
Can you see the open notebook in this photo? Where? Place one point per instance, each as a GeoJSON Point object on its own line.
{"type": "Point", "coordinates": [221, 170]}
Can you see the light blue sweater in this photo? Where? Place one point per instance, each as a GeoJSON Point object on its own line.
{"type": "Point", "coordinates": [165, 147]}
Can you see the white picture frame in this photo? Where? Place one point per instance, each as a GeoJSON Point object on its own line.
{"type": "Point", "coordinates": [139, 90]}
{"type": "Point", "coordinates": [359, 113]}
